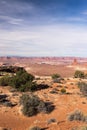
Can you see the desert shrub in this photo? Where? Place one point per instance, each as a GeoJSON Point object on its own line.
{"type": "Point", "coordinates": [79, 74]}
{"type": "Point", "coordinates": [55, 76]}
{"type": "Point", "coordinates": [30, 103]}
{"type": "Point", "coordinates": [63, 90]}
{"type": "Point", "coordinates": [32, 99]}
{"type": "Point", "coordinates": [35, 128]}
{"type": "Point", "coordinates": [33, 105]}
{"type": "Point", "coordinates": [77, 115]}
{"type": "Point", "coordinates": [83, 88]}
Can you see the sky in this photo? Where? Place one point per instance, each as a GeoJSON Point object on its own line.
{"type": "Point", "coordinates": [43, 28]}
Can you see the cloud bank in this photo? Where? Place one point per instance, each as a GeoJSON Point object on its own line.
{"type": "Point", "coordinates": [49, 28]}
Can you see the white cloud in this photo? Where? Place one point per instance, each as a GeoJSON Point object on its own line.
{"type": "Point", "coordinates": [45, 40]}
{"type": "Point", "coordinates": [11, 20]}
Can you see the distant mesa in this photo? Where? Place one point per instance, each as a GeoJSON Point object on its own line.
{"type": "Point", "coordinates": [75, 62]}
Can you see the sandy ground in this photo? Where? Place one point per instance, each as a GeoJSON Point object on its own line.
{"type": "Point", "coordinates": [64, 105]}
{"type": "Point", "coordinates": [48, 70]}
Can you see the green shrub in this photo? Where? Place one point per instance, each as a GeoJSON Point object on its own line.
{"type": "Point", "coordinates": [24, 76]}
{"type": "Point", "coordinates": [79, 74]}
{"type": "Point", "coordinates": [22, 81]}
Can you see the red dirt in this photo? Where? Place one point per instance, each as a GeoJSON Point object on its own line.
{"type": "Point", "coordinates": [64, 105]}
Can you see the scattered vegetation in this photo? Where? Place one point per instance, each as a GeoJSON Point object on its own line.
{"type": "Point", "coordinates": [77, 115]}
{"type": "Point", "coordinates": [33, 105]}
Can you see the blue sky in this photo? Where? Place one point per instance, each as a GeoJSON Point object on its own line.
{"type": "Point", "coordinates": [43, 28]}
